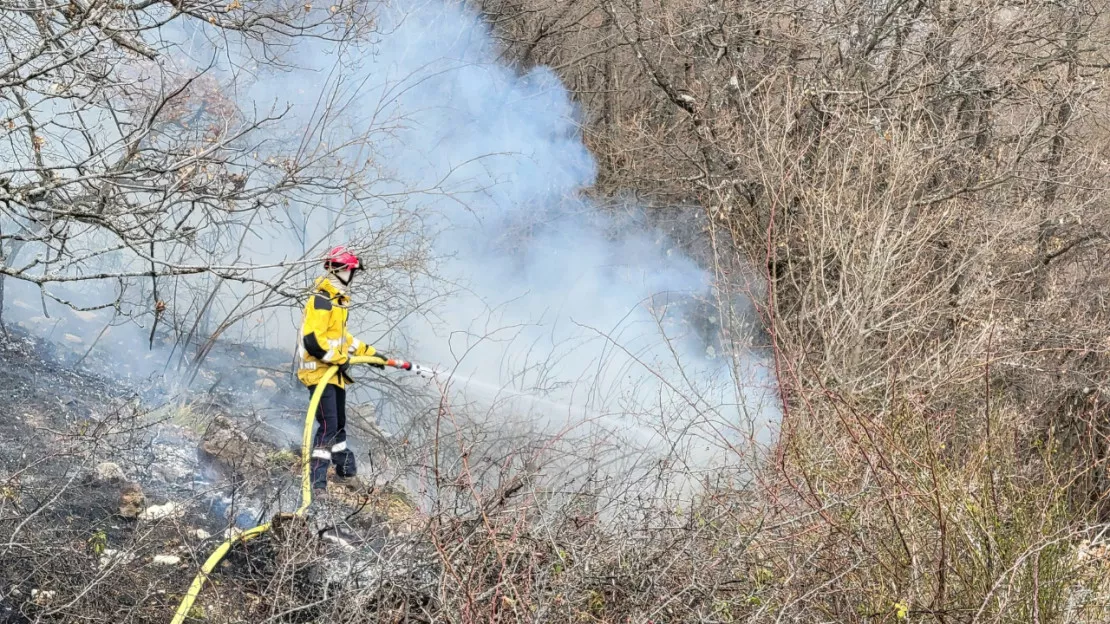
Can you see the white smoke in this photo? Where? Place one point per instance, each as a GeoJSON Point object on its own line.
{"type": "Point", "coordinates": [552, 297]}
{"type": "Point", "coordinates": [556, 315]}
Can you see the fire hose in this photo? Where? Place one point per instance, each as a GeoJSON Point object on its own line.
{"type": "Point", "coordinates": [306, 481]}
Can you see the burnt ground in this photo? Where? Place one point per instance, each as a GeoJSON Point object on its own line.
{"type": "Point", "coordinates": [59, 526]}
{"type": "Point", "coordinates": [66, 552]}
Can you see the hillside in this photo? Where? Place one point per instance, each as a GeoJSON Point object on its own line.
{"type": "Point", "coordinates": [759, 311]}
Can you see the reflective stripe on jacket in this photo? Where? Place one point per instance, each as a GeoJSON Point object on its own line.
{"type": "Point", "coordinates": [324, 337]}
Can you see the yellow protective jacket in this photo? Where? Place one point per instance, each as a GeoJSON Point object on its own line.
{"type": "Point", "coordinates": [324, 337]}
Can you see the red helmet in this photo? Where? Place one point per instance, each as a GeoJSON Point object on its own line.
{"type": "Point", "coordinates": [339, 258]}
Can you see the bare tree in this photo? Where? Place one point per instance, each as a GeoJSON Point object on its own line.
{"type": "Point", "coordinates": [139, 174]}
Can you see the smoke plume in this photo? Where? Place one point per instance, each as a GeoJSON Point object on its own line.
{"type": "Point", "coordinates": [487, 259]}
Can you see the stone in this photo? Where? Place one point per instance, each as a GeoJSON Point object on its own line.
{"type": "Point", "coordinates": [200, 534]}
{"type": "Point", "coordinates": [109, 472]}
{"type": "Point", "coordinates": [166, 559]}
{"type": "Point", "coordinates": [265, 384]}
{"type": "Point", "coordinates": [158, 512]}
{"type": "Point", "coordinates": [171, 470]}
{"type": "Point", "coordinates": [42, 597]}
{"type": "Point", "coordinates": [131, 501]}
{"type": "Point", "coordinates": [229, 449]}
{"type": "Point", "coordinates": [111, 556]}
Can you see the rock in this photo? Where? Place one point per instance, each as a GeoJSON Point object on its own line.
{"type": "Point", "coordinates": [112, 556]}
{"type": "Point", "coordinates": [265, 384]}
{"type": "Point", "coordinates": [109, 472]}
{"type": "Point", "coordinates": [72, 339]}
{"type": "Point", "coordinates": [157, 512]}
{"type": "Point", "coordinates": [171, 470]}
{"type": "Point", "coordinates": [166, 559]}
{"type": "Point", "coordinates": [200, 534]}
{"type": "Point", "coordinates": [42, 596]}
{"type": "Point", "coordinates": [131, 501]}
{"type": "Point", "coordinates": [230, 450]}
{"type": "Point", "coordinates": [261, 372]}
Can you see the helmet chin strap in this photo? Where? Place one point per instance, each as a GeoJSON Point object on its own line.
{"type": "Point", "coordinates": [345, 282]}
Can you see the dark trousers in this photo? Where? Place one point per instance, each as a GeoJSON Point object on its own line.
{"type": "Point", "coordinates": [330, 443]}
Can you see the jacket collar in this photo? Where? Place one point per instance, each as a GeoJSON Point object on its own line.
{"type": "Point", "coordinates": [325, 285]}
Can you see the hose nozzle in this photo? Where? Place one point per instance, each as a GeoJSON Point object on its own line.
{"type": "Point", "coordinates": [401, 364]}
{"type": "Point", "coordinates": [423, 371]}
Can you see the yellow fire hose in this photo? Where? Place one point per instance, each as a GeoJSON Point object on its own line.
{"type": "Point", "coordinates": [306, 486]}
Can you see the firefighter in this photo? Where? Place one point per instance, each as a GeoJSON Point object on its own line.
{"type": "Point", "coordinates": [325, 342]}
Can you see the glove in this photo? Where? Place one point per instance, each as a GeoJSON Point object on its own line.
{"type": "Point", "coordinates": [343, 368]}
{"type": "Point", "coordinates": [382, 356]}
